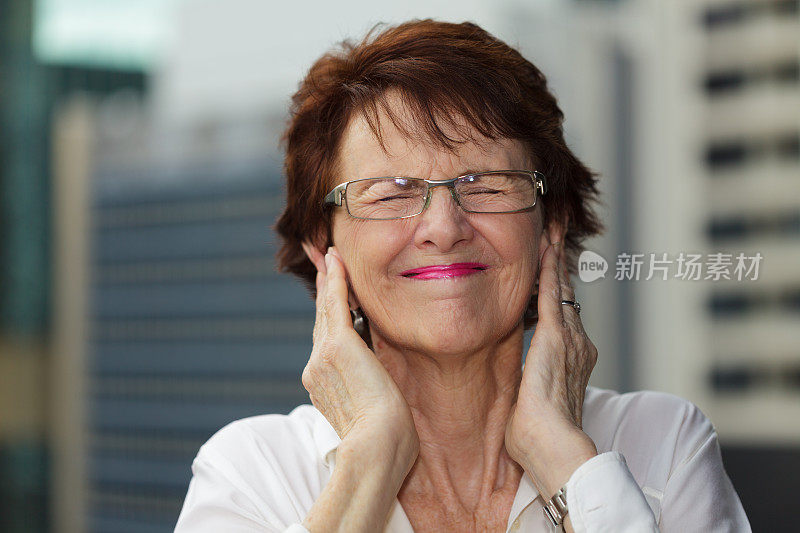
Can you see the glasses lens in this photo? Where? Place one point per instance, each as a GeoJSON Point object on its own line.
{"type": "Point", "coordinates": [496, 193]}
{"type": "Point", "coordinates": [385, 198]}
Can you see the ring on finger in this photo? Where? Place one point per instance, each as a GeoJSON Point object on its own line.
{"type": "Point", "coordinates": [575, 305]}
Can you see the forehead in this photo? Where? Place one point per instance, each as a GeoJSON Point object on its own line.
{"type": "Point", "coordinates": [361, 154]}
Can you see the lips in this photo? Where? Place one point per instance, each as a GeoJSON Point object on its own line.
{"type": "Point", "coordinates": [444, 271]}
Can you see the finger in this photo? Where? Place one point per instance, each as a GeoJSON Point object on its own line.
{"type": "Point", "coordinates": [567, 275]}
{"type": "Point", "coordinates": [338, 312]}
{"type": "Point", "coordinates": [549, 290]}
{"type": "Point", "coordinates": [352, 300]}
{"type": "Point", "coordinates": [567, 291]}
{"type": "Point", "coordinates": [320, 322]}
{"type": "Point", "coordinates": [571, 315]}
{"type": "Point", "coordinates": [544, 242]}
{"type": "Point", "coordinates": [319, 282]}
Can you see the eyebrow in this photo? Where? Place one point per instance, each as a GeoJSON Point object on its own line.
{"type": "Point", "coordinates": [464, 172]}
{"type": "Point", "coordinates": [470, 171]}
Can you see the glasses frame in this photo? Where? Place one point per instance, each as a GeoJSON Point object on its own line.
{"type": "Point", "coordinates": [337, 195]}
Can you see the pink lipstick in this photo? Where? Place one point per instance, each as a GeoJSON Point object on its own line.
{"type": "Point", "coordinates": [444, 271]}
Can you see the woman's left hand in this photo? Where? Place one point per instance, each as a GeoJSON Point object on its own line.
{"type": "Point", "coordinates": [544, 431]}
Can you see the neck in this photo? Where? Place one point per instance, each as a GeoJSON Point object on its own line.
{"type": "Point", "coordinates": [460, 406]}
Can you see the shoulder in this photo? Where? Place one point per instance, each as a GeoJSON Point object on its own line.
{"type": "Point", "coordinates": [654, 430]}
{"type": "Point", "coordinates": [258, 473]}
{"type": "Point", "coordinates": [272, 430]}
{"type": "Point", "coordinates": [272, 447]}
{"type": "Point", "coordinates": [654, 408]}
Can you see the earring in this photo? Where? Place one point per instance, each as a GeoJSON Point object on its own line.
{"type": "Point", "coordinates": [359, 321]}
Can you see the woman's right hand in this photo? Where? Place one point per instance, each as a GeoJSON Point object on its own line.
{"type": "Point", "coordinates": [345, 380]}
{"type": "Point", "coordinates": [353, 390]}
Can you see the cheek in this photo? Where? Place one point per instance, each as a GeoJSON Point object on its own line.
{"type": "Point", "coordinates": [369, 247]}
{"type": "Point", "coordinates": [530, 240]}
{"type": "Point", "coordinates": [517, 247]}
{"type": "Point", "coordinates": [515, 241]}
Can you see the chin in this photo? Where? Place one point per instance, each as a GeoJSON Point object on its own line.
{"type": "Point", "coordinates": [434, 338]}
{"type": "Point", "coordinates": [452, 339]}
{"type": "Point", "coordinates": [444, 327]}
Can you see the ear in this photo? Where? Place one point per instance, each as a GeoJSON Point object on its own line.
{"type": "Point", "coordinates": [315, 255]}
{"type": "Point", "coordinates": [557, 229]}
{"type": "Point", "coordinates": [315, 247]}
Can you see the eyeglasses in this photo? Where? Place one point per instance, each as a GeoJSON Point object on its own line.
{"type": "Point", "coordinates": [496, 191]}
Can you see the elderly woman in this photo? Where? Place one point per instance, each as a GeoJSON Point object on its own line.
{"type": "Point", "coordinates": [436, 212]}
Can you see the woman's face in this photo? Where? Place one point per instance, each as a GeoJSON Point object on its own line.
{"type": "Point", "coordinates": [445, 315]}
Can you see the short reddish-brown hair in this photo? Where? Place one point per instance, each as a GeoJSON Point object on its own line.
{"type": "Point", "coordinates": [440, 70]}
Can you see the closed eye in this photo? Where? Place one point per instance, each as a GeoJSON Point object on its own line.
{"type": "Point", "coordinates": [396, 197]}
{"type": "Point", "coordinates": [486, 191]}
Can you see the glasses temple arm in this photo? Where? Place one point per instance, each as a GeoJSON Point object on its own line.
{"type": "Point", "coordinates": [335, 196]}
{"type": "Point", "coordinates": [542, 181]}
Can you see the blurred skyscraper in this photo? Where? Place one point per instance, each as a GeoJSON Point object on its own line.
{"type": "Point", "coordinates": [170, 321]}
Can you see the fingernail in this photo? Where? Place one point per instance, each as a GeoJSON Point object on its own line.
{"type": "Point", "coordinates": [328, 259]}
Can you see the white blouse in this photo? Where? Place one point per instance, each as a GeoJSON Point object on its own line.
{"type": "Point", "coordinates": [659, 468]}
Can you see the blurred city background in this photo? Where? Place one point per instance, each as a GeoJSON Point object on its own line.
{"type": "Point", "coordinates": [140, 176]}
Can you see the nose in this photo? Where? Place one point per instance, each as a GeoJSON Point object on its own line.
{"type": "Point", "coordinates": [443, 224]}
